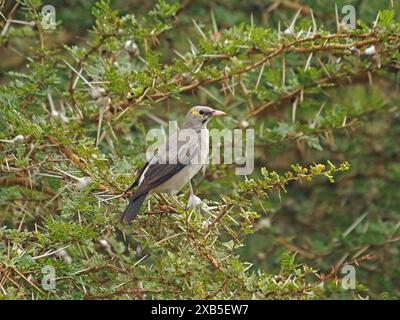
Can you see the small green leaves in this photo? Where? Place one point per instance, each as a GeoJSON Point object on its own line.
{"type": "Point", "coordinates": [288, 262]}
{"type": "Point", "coordinates": [386, 19]}
{"type": "Point", "coordinates": [299, 174]}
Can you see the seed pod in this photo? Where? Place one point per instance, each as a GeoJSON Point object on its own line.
{"type": "Point", "coordinates": [82, 183]}
{"type": "Point", "coordinates": [370, 51]}
{"type": "Point", "coordinates": [104, 243]}
{"type": "Point", "coordinates": [244, 124]}
{"type": "Point", "coordinates": [97, 92]}
{"type": "Point", "coordinates": [18, 139]}
{"type": "Point", "coordinates": [132, 48]}
{"type": "Point", "coordinates": [205, 224]}
{"type": "Point", "coordinates": [63, 254]}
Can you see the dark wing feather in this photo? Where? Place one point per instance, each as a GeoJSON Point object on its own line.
{"type": "Point", "coordinates": [158, 173]}
{"type": "Point", "coordinates": [139, 174]}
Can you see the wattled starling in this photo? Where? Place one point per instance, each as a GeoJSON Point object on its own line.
{"type": "Point", "coordinates": [176, 162]}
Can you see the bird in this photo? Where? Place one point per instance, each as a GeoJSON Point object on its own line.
{"type": "Point", "coordinates": [175, 162]}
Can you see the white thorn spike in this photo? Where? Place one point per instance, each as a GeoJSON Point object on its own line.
{"type": "Point", "coordinates": [199, 29]}
{"type": "Point", "coordinates": [214, 22]}
{"type": "Point", "coordinates": [315, 29]}
{"type": "Point", "coordinates": [290, 29]}
{"type": "Point", "coordinates": [376, 20]}
{"type": "Point", "coordinates": [279, 30]}
{"type": "Point", "coordinates": [192, 47]}
{"type": "Point", "coordinates": [337, 18]}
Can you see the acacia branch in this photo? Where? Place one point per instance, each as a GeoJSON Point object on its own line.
{"type": "Point", "coordinates": [294, 46]}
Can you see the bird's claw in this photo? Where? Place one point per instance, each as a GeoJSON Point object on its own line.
{"type": "Point", "coordinates": [195, 202]}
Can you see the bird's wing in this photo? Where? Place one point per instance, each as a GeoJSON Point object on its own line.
{"type": "Point", "coordinates": [156, 157]}
{"type": "Point", "coordinates": [139, 175]}
{"type": "Point", "coordinates": [157, 173]}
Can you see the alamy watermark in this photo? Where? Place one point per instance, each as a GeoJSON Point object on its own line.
{"type": "Point", "coordinates": [49, 278]}
{"type": "Point", "coordinates": [349, 278]}
{"type": "Point", "coordinates": [49, 17]}
{"type": "Point", "coordinates": [349, 19]}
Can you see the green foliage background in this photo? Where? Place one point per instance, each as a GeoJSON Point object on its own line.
{"type": "Point", "coordinates": [76, 103]}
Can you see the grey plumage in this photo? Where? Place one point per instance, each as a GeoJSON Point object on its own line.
{"type": "Point", "coordinates": [175, 162]}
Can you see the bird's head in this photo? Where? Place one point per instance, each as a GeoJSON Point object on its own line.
{"type": "Point", "coordinates": [199, 116]}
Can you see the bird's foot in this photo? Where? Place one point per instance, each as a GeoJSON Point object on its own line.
{"type": "Point", "coordinates": [195, 202]}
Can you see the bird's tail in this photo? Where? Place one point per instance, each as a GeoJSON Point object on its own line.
{"type": "Point", "coordinates": [133, 208]}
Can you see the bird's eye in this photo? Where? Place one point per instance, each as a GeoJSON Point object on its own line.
{"type": "Point", "coordinates": [201, 112]}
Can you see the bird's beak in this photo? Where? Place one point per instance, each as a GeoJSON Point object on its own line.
{"type": "Point", "coordinates": [218, 113]}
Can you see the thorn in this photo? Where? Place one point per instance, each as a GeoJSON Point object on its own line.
{"type": "Point", "coordinates": [101, 114]}
{"type": "Point", "coordinates": [290, 29]}
{"type": "Point", "coordinates": [77, 79]}
{"type": "Point", "coordinates": [314, 123]}
{"type": "Point", "coordinates": [214, 23]}
{"type": "Point", "coordinates": [294, 109]}
{"type": "Point", "coordinates": [299, 33]}
{"type": "Point", "coordinates": [376, 20]}
{"type": "Point", "coordinates": [212, 96]}
{"type": "Point", "coordinates": [337, 18]}
{"type": "Point", "coordinates": [307, 66]}
{"type": "Point", "coordinates": [68, 174]}
{"type": "Point", "coordinates": [199, 29]}
{"type": "Point", "coordinates": [344, 121]}
{"type": "Point", "coordinates": [2, 15]}
{"type": "Point", "coordinates": [309, 33]}
{"type": "Point", "coordinates": [78, 74]}
{"type": "Point", "coordinates": [370, 78]}
{"type": "Point", "coordinates": [260, 76]}
{"type": "Point", "coordinates": [52, 108]}
{"type": "Point", "coordinates": [315, 30]}
{"type": "Point", "coordinates": [192, 47]}
{"type": "Point", "coordinates": [295, 18]}
{"type": "Point", "coordinates": [279, 30]}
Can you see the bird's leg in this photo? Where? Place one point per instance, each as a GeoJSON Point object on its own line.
{"type": "Point", "coordinates": [190, 188]}
{"type": "Point", "coordinates": [191, 194]}
{"type": "Point", "coordinates": [194, 201]}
